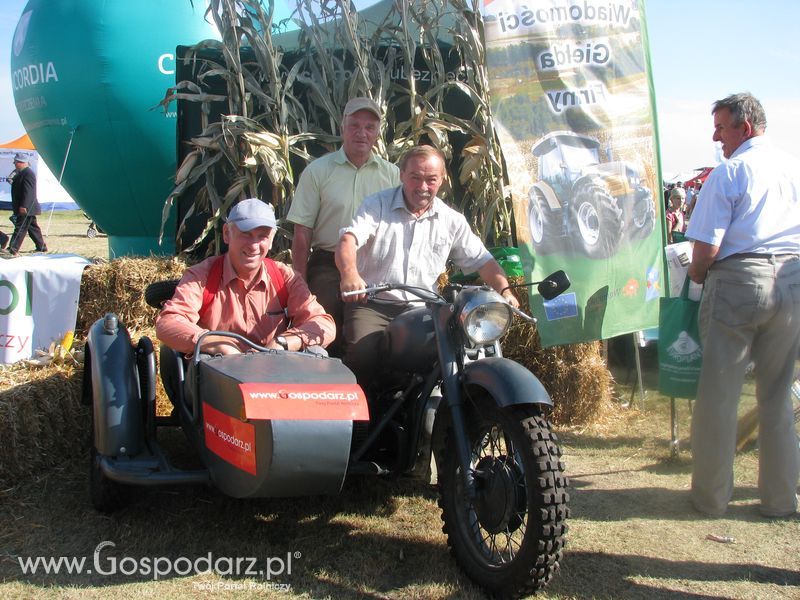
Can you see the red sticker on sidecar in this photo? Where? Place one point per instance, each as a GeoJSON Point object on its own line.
{"type": "Point", "coordinates": [305, 401]}
{"type": "Point", "coordinates": [231, 439]}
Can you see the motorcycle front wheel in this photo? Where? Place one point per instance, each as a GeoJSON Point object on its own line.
{"type": "Point", "coordinates": [507, 538]}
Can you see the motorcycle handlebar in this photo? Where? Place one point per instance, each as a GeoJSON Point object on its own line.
{"type": "Point", "coordinates": [383, 287]}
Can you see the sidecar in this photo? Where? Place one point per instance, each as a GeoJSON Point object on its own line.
{"type": "Point", "coordinates": [263, 424]}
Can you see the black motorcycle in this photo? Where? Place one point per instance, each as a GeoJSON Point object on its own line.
{"type": "Point", "coordinates": [482, 417]}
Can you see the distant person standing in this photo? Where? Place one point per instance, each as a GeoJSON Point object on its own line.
{"type": "Point", "coordinates": [330, 190]}
{"type": "Point", "coordinates": [690, 194]}
{"type": "Point", "coordinates": [690, 203]}
{"type": "Point", "coordinates": [667, 191]}
{"type": "Point", "coordinates": [746, 227]}
{"type": "Point", "coordinates": [25, 207]}
{"type": "Point", "coordinates": [674, 218]}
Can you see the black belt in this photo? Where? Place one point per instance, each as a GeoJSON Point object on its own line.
{"type": "Point", "coordinates": [777, 257]}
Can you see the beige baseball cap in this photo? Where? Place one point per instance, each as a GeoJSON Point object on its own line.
{"type": "Point", "coordinates": [362, 103]}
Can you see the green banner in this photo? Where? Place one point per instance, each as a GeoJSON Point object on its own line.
{"type": "Point", "coordinates": [572, 98]}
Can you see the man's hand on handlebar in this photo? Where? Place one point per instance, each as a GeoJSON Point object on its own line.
{"type": "Point", "coordinates": [217, 344]}
{"type": "Point", "coordinates": [350, 283]}
{"type": "Point", "coordinates": [509, 297]}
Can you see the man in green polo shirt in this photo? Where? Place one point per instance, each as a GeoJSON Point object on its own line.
{"type": "Point", "coordinates": [330, 190]}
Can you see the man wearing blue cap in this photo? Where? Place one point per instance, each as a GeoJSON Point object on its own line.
{"type": "Point", "coordinates": [25, 207]}
{"type": "Point", "coordinates": [244, 292]}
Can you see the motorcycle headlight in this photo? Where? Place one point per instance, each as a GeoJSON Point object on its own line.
{"type": "Point", "coordinates": [485, 318]}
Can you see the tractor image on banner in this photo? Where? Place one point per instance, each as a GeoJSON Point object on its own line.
{"type": "Point", "coordinates": [581, 202]}
{"type": "Point", "coordinates": [571, 99]}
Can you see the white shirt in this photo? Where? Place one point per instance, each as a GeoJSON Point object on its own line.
{"type": "Point", "coordinates": [394, 246]}
{"type": "Point", "coordinates": [751, 203]}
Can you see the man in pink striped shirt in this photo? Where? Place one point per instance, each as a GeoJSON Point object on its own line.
{"type": "Point", "coordinates": [246, 298]}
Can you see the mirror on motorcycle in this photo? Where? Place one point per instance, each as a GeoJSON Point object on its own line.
{"type": "Point", "coordinates": [553, 285]}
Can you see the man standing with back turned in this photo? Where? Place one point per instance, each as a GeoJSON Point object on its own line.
{"type": "Point", "coordinates": [330, 190]}
{"type": "Point", "coordinates": [746, 227]}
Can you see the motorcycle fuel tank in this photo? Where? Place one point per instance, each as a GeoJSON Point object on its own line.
{"type": "Point", "coordinates": [409, 342]}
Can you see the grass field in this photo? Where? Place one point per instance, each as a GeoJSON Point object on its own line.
{"type": "Point", "coordinates": [633, 533]}
{"type": "Point", "coordinates": [65, 233]}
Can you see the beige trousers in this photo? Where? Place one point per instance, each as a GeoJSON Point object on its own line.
{"type": "Point", "coordinates": [750, 311]}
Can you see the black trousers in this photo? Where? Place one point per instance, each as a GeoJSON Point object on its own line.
{"type": "Point", "coordinates": [323, 281]}
{"type": "Point", "coordinates": [26, 225]}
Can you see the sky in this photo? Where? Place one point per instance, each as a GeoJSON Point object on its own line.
{"type": "Point", "coordinates": [700, 51]}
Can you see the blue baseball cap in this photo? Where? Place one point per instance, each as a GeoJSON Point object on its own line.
{"type": "Point", "coordinates": [251, 213]}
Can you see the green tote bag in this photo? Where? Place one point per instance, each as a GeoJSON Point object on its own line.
{"type": "Point", "coordinates": [680, 354]}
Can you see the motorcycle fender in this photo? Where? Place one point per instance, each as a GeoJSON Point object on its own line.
{"type": "Point", "coordinates": [116, 402]}
{"type": "Point", "coordinates": [507, 381]}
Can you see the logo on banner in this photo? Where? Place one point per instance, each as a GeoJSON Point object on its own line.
{"type": "Point", "coordinates": [10, 301]}
{"type": "Point", "coordinates": [230, 439]}
{"type": "Point", "coordinates": [22, 32]}
{"type": "Point", "coordinates": [304, 401]}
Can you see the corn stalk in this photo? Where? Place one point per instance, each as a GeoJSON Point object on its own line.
{"type": "Point", "coordinates": [279, 107]}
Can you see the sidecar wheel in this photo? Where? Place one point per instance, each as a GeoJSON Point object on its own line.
{"type": "Point", "coordinates": [508, 539]}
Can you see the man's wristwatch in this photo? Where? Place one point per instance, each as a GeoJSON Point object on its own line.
{"type": "Point", "coordinates": [281, 341]}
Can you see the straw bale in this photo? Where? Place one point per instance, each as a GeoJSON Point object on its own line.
{"type": "Point", "coordinates": [42, 419]}
{"type": "Point", "coordinates": [118, 286]}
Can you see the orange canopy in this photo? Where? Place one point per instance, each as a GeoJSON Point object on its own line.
{"type": "Point", "coordinates": [22, 143]}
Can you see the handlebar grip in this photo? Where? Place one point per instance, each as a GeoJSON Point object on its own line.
{"type": "Point", "coordinates": [369, 290]}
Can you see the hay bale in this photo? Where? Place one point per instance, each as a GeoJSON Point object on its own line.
{"type": "Point", "coordinates": [118, 286]}
{"type": "Point", "coordinates": [42, 419]}
{"type": "Point", "coordinates": [575, 375]}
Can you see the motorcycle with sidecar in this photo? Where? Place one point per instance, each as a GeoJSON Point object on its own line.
{"type": "Point", "coordinates": [272, 423]}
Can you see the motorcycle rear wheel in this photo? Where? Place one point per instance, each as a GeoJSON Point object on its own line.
{"type": "Point", "coordinates": [508, 539]}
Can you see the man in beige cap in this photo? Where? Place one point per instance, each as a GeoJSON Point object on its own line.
{"type": "Point", "coordinates": [330, 190]}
